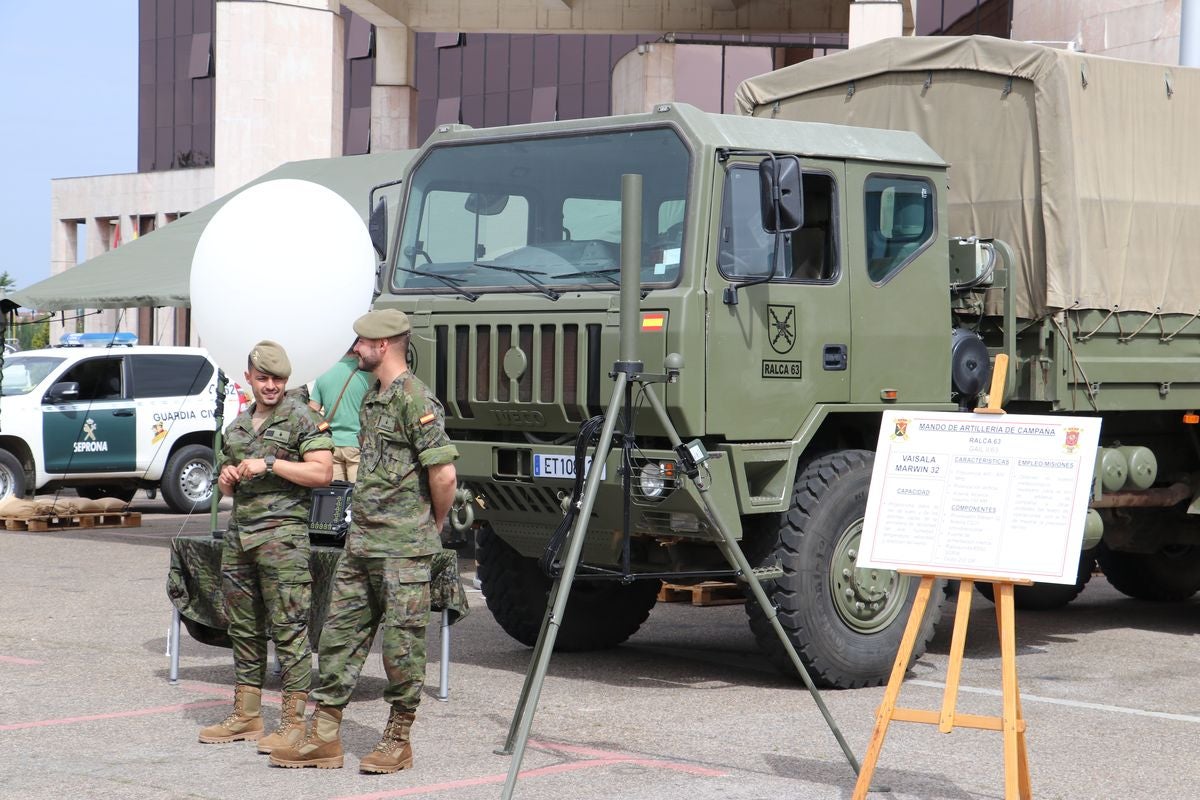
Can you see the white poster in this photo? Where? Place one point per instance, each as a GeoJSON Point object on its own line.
{"type": "Point", "coordinates": [1002, 496]}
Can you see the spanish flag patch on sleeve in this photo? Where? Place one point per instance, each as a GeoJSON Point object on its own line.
{"type": "Point", "coordinates": [324, 426]}
{"type": "Point", "coordinates": [428, 418]}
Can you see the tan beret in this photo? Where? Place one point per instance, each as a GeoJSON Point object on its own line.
{"type": "Point", "coordinates": [270, 357]}
{"type": "Point", "coordinates": [382, 324]}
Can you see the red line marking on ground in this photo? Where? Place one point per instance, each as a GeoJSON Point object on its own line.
{"type": "Point", "coordinates": [24, 662]}
{"type": "Point", "coordinates": [600, 758]}
{"type": "Point", "coordinates": [139, 712]}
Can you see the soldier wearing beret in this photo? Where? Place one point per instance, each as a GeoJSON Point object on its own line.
{"type": "Point", "coordinates": [273, 452]}
{"type": "Point", "coordinates": [406, 484]}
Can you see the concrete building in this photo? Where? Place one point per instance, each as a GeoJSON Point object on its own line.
{"type": "Point", "coordinates": [229, 89]}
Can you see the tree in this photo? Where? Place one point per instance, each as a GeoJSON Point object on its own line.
{"type": "Point", "coordinates": [7, 283]}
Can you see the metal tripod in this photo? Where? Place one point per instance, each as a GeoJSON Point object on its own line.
{"type": "Point", "coordinates": [626, 373]}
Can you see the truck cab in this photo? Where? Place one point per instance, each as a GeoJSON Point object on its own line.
{"type": "Point", "coordinates": [506, 255]}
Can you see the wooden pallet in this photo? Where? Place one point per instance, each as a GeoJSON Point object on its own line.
{"type": "Point", "coordinates": [706, 593]}
{"type": "Point", "coordinates": [61, 522]}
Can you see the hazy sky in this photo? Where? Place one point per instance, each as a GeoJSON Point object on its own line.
{"type": "Point", "coordinates": [68, 107]}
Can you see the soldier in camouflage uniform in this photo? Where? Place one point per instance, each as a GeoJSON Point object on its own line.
{"type": "Point", "coordinates": [406, 484]}
{"type": "Point", "coordinates": [273, 452]}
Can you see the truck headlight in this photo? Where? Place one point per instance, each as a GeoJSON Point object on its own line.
{"type": "Point", "coordinates": [656, 479]}
{"type": "Point", "coordinates": [652, 482]}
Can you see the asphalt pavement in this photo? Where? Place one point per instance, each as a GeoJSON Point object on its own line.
{"type": "Point", "coordinates": [685, 709]}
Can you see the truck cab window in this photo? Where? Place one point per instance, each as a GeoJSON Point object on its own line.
{"type": "Point", "coordinates": [899, 219]}
{"type": "Point", "coordinates": [745, 249]}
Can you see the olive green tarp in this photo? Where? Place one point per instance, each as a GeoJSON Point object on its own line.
{"type": "Point", "coordinates": [1088, 166]}
{"type": "Point", "coordinates": [155, 269]}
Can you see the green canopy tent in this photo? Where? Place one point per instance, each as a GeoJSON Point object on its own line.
{"type": "Point", "coordinates": [155, 269]}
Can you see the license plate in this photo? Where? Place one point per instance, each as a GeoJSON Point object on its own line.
{"type": "Point", "coordinates": [554, 466]}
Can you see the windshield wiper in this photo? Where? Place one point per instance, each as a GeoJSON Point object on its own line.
{"type": "Point", "coordinates": [525, 274]}
{"type": "Point", "coordinates": [606, 274]}
{"type": "Point", "coordinates": [453, 283]}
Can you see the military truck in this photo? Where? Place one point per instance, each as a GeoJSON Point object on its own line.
{"type": "Point", "coordinates": [881, 292]}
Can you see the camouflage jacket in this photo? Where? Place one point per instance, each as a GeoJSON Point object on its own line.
{"type": "Point", "coordinates": [402, 432]}
{"type": "Point", "coordinates": [266, 502]}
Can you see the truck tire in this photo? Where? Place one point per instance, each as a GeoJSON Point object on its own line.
{"type": "Point", "coordinates": [1169, 575]}
{"type": "Point", "coordinates": [187, 478]}
{"type": "Point", "coordinates": [1047, 596]}
{"type": "Point", "coordinates": [845, 623]}
{"type": "Point", "coordinates": [12, 476]}
{"type": "Point", "coordinates": [600, 614]}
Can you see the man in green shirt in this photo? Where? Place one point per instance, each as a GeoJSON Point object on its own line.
{"type": "Point", "coordinates": [404, 491]}
{"type": "Point", "coordinates": [338, 394]}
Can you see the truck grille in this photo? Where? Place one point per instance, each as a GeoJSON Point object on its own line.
{"type": "Point", "coordinates": [563, 367]}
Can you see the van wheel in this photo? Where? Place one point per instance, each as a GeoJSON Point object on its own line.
{"type": "Point", "coordinates": [12, 476]}
{"type": "Point", "coordinates": [600, 613]}
{"type": "Point", "coordinates": [187, 478]}
{"type": "Point", "coordinates": [845, 622]}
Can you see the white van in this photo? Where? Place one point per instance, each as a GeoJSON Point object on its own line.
{"type": "Point", "coordinates": [107, 421]}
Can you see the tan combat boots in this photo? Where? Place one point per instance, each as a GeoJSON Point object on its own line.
{"type": "Point", "coordinates": [321, 748]}
{"type": "Point", "coordinates": [245, 723]}
{"type": "Point", "coordinates": [291, 723]}
{"type": "Point", "coordinates": [394, 752]}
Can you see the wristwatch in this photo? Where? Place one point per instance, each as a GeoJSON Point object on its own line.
{"type": "Point", "coordinates": [270, 460]}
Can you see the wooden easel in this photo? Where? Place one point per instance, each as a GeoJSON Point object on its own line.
{"type": "Point", "coordinates": [1010, 723]}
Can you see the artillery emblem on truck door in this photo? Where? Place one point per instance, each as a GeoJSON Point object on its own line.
{"type": "Point", "coordinates": [781, 328]}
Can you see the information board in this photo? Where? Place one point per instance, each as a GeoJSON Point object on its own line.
{"type": "Point", "coordinates": [1002, 496]}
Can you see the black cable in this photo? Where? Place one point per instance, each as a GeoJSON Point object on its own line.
{"type": "Point", "coordinates": [589, 434]}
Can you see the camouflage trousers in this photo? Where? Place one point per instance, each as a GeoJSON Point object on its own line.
{"type": "Point", "coordinates": [268, 591]}
{"type": "Point", "coordinates": [369, 593]}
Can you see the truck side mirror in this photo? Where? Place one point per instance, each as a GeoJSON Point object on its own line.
{"type": "Point", "coordinates": [780, 195]}
{"type": "Point", "coordinates": [377, 226]}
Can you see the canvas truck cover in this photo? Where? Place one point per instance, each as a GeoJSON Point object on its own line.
{"type": "Point", "coordinates": [1088, 166]}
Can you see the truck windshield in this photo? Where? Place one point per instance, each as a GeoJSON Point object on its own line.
{"type": "Point", "coordinates": [541, 215]}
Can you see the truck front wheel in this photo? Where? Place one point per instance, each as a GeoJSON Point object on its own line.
{"type": "Point", "coordinates": [845, 622]}
{"type": "Point", "coordinates": [600, 614]}
{"type": "Point", "coordinates": [1168, 575]}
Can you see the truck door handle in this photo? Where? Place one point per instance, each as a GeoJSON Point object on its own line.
{"type": "Point", "coordinates": [123, 412]}
{"type": "Point", "coordinates": [833, 357]}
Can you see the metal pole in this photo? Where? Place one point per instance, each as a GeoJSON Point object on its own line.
{"type": "Point", "coordinates": [559, 594]}
{"type": "Point", "coordinates": [444, 675]}
{"type": "Point", "coordinates": [737, 559]}
{"type": "Point", "coordinates": [631, 264]}
{"type": "Point", "coordinates": [173, 646]}
{"type": "Point", "coordinates": [219, 420]}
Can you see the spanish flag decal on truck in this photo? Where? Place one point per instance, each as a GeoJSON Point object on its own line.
{"type": "Point", "coordinates": [656, 321]}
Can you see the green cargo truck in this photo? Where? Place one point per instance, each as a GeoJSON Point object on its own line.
{"type": "Point", "coordinates": [506, 255]}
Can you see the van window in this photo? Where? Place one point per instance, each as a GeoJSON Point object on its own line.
{"type": "Point", "coordinates": [98, 379]}
{"type": "Point", "coordinates": [746, 249]}
{"type": "Point", "coordinates": [900, 216]}
{"type": "Point", "coordinates": [170, 375]}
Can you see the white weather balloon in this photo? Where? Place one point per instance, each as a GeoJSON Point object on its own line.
{"type": "Point", "coordinates": [286, 260]}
